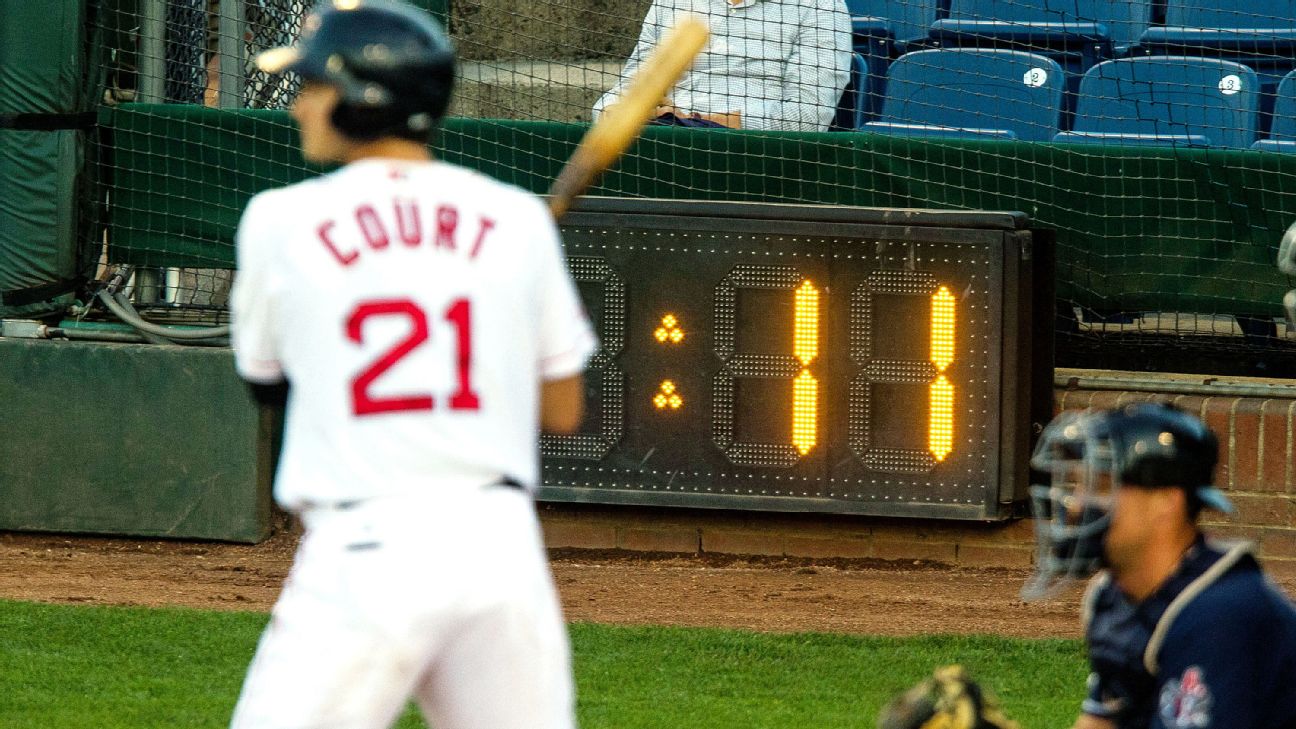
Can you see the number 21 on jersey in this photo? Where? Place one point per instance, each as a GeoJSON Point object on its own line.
{"type": "Point", "coordinates": [458, 315]}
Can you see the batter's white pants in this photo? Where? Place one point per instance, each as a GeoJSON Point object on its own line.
{"type": "Point", "coordinates": [447, 601]}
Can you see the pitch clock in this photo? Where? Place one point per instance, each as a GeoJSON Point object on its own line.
{"type": "Point", "coordinates": [801, 358]}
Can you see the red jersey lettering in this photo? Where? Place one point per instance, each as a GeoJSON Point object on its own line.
{"type": "Point", "coordinates": [447, 221]}
{"type": "Point", "coordinates": [371, 227]}
{"type": "Point", "coordinates": [408, 224]}
{"type": "Point", "coordinates": [346, 259]}
{"type": "Point", "coordinates": [486, 226]}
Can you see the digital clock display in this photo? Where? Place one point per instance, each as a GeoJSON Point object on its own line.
{"type": "Point", "coordinates": [799, 358]}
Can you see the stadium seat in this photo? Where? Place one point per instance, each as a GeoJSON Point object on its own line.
{"type": "Point", "coordinates": [1255, 26]}
{"type": "Point", "coordinates": [1167, 101]}
{"type": "Point", "coordinates": [972, 92]}
{"type": "Point", "coordinates": [1282, 135]}
{"type": "Point", "coordinates": [882, 30]}
{"type": "Point", "coordinates": [902, 22]}
{"type": "Point", "coordinates": [852, 110]}
{"type": "Point", "coordinates": [1260, 34]}
{"type": "Point", "coordinates": [1076, 33]}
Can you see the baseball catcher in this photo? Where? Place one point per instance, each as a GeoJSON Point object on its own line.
{"type": "Point", "coordinates": [949, 699]}
{"type": "Point", "coordinates": [1182, 631]}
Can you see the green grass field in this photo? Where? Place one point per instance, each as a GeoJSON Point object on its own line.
{"type": "Point", "coordinates": [111, 668]}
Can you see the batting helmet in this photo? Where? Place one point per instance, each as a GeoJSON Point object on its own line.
{"type": "Point", "coordinates": [1088, 455]}
{"type": "Point", "coordinates": [392, 64]}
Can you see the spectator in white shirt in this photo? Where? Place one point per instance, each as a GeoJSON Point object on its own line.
{"type": "Point", "coordinates": [770, 64]}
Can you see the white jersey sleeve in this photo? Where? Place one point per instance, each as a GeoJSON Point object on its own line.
{"type": "Point", "coordinates": [253, 336]}
{"type": "Point", "coordinates": [566, 338]}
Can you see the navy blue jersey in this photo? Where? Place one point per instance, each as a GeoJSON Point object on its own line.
{"type": "Point", "coordinates": [1212, 648]}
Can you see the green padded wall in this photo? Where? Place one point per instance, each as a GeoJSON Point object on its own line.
{"type": "Point", "coordinates": [139, 440]}
{"type": "Point", "coordinates": [41, 74]}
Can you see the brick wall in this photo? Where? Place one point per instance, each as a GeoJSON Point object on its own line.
{"type": "Point", "coordinates": [1257, 438]}
{"type": "Point", "coordinates": [694, 531]}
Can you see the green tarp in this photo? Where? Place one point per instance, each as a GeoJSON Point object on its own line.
{"type": "Point", "coordinates": [41, 73]}
{"type": "Point", "coordinates": [1138, 229]}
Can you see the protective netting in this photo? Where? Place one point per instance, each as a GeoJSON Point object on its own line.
{"type": "Point", "coordinates": [1155, 137]}
{"type": "Point", "coordinates": [201, 53]}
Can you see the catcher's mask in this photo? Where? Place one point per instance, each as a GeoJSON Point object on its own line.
{"type": "Point", "coordinates": [1090, 454]}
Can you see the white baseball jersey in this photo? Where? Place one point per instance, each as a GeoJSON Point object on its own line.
{"type": "Point", "coordinates": [414, 307]}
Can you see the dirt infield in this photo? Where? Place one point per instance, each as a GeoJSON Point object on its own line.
{"type": "Point", "coordinates": [613, 587]}
{"type": "Point", "coordinates": [883, 598]}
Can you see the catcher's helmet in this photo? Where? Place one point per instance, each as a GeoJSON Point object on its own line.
{"type": "Point", "coordinates": [393, 65]}
{"type": "Point", "coordinates": [1088, 455]}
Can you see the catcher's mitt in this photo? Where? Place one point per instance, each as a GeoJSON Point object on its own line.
{"type": "Point", "coordinates": [947, 700]}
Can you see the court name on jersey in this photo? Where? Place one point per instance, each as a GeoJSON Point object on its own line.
{"type": "Point", "coordinates": [402, 223]}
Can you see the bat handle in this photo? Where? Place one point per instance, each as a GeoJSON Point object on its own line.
{"type": "Point", "coordinates": [571, 182]}
{"type": "Point", "coordinates": [563, 191]}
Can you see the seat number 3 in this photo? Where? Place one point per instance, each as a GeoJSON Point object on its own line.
{"type": "Point", "coordinates": [458, 314]}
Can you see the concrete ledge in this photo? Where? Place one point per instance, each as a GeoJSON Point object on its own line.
{"type": "Point", "coordinates": [592, 74]}
{"type": "Point", "coordinates": [564, 91]}
{"type": "Point", "coordinates": [496, 29]}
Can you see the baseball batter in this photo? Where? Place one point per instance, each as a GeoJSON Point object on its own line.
{"type": "Point", "coordinates": [1182, 631]}
{"type": "Point", "coordinates": [422, 323]}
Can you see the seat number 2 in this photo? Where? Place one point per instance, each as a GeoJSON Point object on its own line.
{"type": "Point", "coordinates": [458, 314]}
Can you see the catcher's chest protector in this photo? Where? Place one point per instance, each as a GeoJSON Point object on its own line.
{"type": "Point", "coordinates": [1124, 638]}
{"type": "Point", "coordinates": [1117, 635]}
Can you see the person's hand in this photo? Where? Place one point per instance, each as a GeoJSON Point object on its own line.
{"type": "Point", "coordinates": [733, 119]}
{"type": "Point", "coordinates": [665, 106]}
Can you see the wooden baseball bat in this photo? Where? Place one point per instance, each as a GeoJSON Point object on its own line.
{"type": "Point", "coordinates": [622, 121]}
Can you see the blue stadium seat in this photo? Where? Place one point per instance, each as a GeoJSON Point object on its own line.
{"type": "Point", "coordinates": [902, 22]}
{"type": "Point", "coordinates": [972, 92]}
{"type": "Point", "coordinates": [1256, 26]}
{"type": "Point", "coordinates": [1113, 25]}
{"type": "Point", "coordinates": [883, 30]}
{"type": "Point", "coordinates": [1260, 34]}
{"type": "Point", "coordinates": [852, 110]}
{"type": "Point", "coordinates": [1282, 135]}
{"type": "Point", "coordinates": [1167, 101]}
